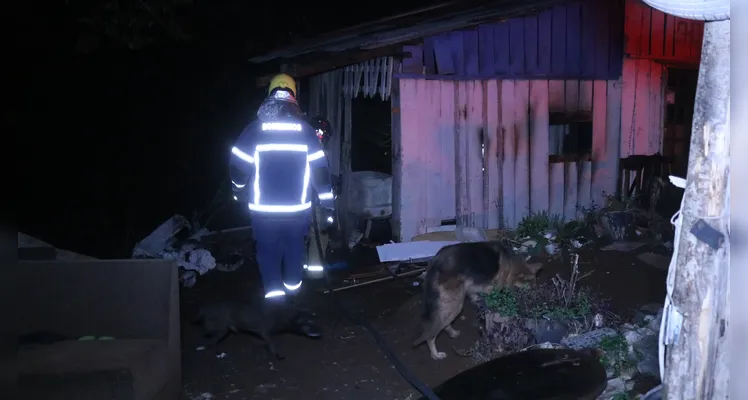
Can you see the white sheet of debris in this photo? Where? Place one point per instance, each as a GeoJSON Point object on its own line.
{"type": "Point", "coordinates": [421, 250]}
{"type": "Point", "coordinates": [190, 255]}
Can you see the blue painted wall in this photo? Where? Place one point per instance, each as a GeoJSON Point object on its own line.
{"type": "Point", "coordinates": [577, 40]}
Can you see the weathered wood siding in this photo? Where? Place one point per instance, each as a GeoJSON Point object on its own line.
{"type": "Point", "coordinates": [654, 35]}
{"type": "Point", "coordinates": [576, 40]}
{"type": "Point", "coordinates": [643, 107]}
{"type": "Point", "coordinates": [478, 151]}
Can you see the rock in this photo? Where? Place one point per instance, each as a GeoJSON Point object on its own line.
{"type": "Point", "coordinates": [551, 249]}
{"type": "Point", "coordinates": [623, 246]}
{"type": "Point", "coordinates": [633, 336]}
{"type": "Point", "coordinates": [655, 260]}
{"type": "Point", "coordinates": [547, 345]}
{"type": "Point", "coordinates": [644, 348]}
{"type": "Point", "coordinates": [547, 331]}
{"type": "Point", "coordinates": [627, 327]}
{"type": "Point", "coordinates": [646, 313]}
{"type": "Point", "coordinates": [588, 340]}
{"type": "Point", "coordinates": [647, 350]}
{"type": "Point", "coordinates": [655, 394]}
{"type": "Point", "coordinates": [657, 321]}
{"type": "Point", "coordinates": [619, 224]}
{"type": "Point", "coordinates": [616, 387]}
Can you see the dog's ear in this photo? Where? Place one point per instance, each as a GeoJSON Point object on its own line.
{"type": "Point", "coordinates": [534, 268]}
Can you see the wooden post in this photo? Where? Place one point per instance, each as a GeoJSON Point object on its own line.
{"type": "Point", "coordinates": [346, 222]}
{"type": "Point", "coordinates": [697, 354]}
{"type": "Point", "coordinates": [397, 170]}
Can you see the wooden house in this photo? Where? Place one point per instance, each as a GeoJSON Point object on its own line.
{"type": "Point", "coordinates": [501, 110]}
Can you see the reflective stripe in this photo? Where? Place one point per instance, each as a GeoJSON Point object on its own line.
{"type": "Point", "coordinates": [313, 268]}
{"type": "Point", "coordinates": [281, 147]}
{"type": "Point", "coordinates": [280, 209]}
{"type": "Point", "coordinates": [274, 293]}
{"type": "Point", "coordinates": [326, 196]}
{"type": "Point", "coordinates": [256, 182]}
{"type": "Point", "coordinates": [292, 287]}
{"type": "Point", "coordinates": [330, 220]}
{"type": "Point", "coordinates": [315, 156]}
{"type": "Point", "coordinates": [238, 186]}
{"type": "Point", "coordinates": [307, 172]}
{"type": "Point", "coordinates": [255, 204]}
{"type": "Point", "coordinates": [276, 147]}
{"type": "Point", "coordinates": [244, 156]}
{"type": "Point", "coordinates": [281, 126]}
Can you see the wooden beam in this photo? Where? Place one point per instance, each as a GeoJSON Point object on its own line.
{"type": "Point", "coordinates": [678, 62]}
{"type": "Point", "coordinates": [328, 62]}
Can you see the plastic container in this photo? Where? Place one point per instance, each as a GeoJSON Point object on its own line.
{"type": "Point", "coordinates": [370, 194]}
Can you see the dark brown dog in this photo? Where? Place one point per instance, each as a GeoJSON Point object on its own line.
{"type": "Point", "coordinates": [264, 320]}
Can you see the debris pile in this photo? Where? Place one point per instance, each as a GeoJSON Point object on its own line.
{"type": "Point", "coordinates": [191, 253]}
{"type": "Point", "coordinates": [627, 352]}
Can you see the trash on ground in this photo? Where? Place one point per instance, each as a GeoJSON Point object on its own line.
{"type": "Point", "coordinates": [190, 254]}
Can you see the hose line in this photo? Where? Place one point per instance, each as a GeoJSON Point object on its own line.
{"type": "Point", "coordinates": [383, 345]}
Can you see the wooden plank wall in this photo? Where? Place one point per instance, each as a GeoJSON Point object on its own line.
{"type": "Point", "coordinates": [654, 35]}
{"type": "Point", "coordinates": [642, 107]}
{"type": "Point", "coordinates": [444, 125]}
{"type": "Point", "coordinates": [578, 40]}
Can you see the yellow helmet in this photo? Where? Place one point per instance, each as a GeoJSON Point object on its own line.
{"type": "Point", "coordinates": [282, 81]}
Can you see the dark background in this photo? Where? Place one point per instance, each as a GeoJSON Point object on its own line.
{"type": "Point", "coordinates": [120, 127]}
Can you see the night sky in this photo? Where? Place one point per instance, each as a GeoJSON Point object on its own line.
{"type": "Point", "coordinates": [114, 140]}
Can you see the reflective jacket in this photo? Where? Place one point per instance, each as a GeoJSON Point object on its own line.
{"type": "Point", "coordinates": [274, 165]}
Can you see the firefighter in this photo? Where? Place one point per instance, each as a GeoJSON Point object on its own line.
{"type": "Point", "coordinates": [276, 165]}
{"type": "Point", "coordinates": [325, 217]}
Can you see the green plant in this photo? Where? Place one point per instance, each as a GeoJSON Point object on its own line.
{"type": "Point", "coordinates": [612, 203]}
{"type": "Point", "coordinates": [620, 396]}
{"type": "Point", "coordinates": [537, 303]}
{"type": "Point", "coordinates": [590, 215]}
{"type": "Point", "coordinates": [579, 307]}
{"type": "Point", "coordinates": [615, 354]}
{"type": "Point", "coordinates": [535, 223]}
{"type": "Point", "coordinates": [502, 301]}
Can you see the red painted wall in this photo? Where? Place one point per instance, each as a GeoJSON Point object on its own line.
{"type": "Point", "coordinates": [652, 34]}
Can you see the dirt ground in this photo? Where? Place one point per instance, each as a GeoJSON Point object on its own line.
{"type": "Point", "coordinates": [346, 363]}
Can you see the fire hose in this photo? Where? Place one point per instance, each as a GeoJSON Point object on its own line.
{"type": "Point", "coordinates": [361, 321]}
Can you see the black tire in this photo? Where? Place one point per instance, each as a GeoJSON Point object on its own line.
{"type": "Point", "coordinates": [700, 10]}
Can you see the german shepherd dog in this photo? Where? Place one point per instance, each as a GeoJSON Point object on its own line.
{"type": "Point", "coordinates": [466, 269]}
{"type": "Point", "coordinates": [264, 320]}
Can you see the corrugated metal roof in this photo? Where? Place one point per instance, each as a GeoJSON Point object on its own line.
{"type": "Point", "coordinates": [410, 26]}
